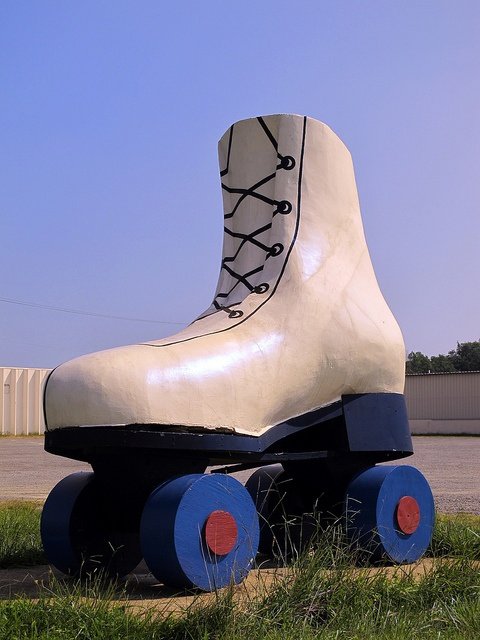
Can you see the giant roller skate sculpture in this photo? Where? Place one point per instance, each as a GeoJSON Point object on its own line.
{"type": "Point", "coordinates": [297, 367]}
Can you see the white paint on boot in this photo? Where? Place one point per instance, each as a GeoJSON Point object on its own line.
{"type": "Point", "coordinates": [297, 320]}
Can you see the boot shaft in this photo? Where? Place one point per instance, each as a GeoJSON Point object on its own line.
{"type": "Point", "coordinates": [290, 205]}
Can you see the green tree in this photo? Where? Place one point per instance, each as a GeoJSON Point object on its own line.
{"type": "Point", "coordinates": [466, 356]}
{"type": "Point", "coordinates": [441, 364]}
{"type": "Point", "coordinates": [417, 362]}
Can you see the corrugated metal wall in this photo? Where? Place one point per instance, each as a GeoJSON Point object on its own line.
{"type": "Point", "coordinates": [21, 411]}
{"type": "Point", "coordinates": [444, 402]}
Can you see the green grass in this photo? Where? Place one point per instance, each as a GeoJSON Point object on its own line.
{"type": "Point", "coordinates": [348, 604]}
{"type": "Point", "coordinates": [20, 543]}
{"type": "Point", "coordinates": [456, 535]}
{"type": "Point", "coordinates": [307, 602]}
{"type": "Point", "coordinates": [322, 595]}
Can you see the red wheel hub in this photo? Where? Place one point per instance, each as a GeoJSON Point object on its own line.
{"type": "Point", "coordinates": [408, 514]}
{"type": "Point", "coordinates": [221, 532]}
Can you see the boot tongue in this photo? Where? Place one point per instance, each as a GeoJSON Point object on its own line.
{"type": "Point", "coordinates": [259, 160]}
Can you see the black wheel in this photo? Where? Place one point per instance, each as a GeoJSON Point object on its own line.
{"type": "Point", "coordinates": [286, 512]}
{"type": "Point", "coordinates": [264, 492]}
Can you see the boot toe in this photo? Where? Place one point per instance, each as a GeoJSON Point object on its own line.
{"type": "Point", "coordinates": [96, 389]}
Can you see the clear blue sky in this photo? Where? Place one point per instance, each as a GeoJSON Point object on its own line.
{"type": "Point", "coordinates": [110, 115]}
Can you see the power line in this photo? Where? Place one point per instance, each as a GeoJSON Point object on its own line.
{"type": "Point", "coordinates": [36, 305]}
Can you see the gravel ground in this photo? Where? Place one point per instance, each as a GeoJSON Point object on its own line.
{"type": "Point", "coordinates": [451, 465]}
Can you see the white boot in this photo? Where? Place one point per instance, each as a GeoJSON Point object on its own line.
{"type": "Point", "coordinates": [298, 319]}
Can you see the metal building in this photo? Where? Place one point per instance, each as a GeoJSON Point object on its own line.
{"type": "Point", "coordinates": [21, 407]}
{"type": "Point", "coordinates": [444, 403]}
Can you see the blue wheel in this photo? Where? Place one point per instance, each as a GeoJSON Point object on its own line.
{"type": "Point", "coordinates": [83, 532]}
{"type": "Point", "coordinates": [390, 513]}
{"type": "Point", "coordinates": [200, 531]}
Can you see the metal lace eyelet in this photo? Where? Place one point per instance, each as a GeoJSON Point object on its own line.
{"type": "Point", "coordinates": [284, 207]}
{"type": "Point", "coordinates": [261, 288]}
{"type": "Point", "coordinates": [287, 163]}
{"type": "Point", "coordinates": [275, 250]}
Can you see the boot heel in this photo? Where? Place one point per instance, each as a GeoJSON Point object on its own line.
{"type": "Point", "coordinates": [377, 422]}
